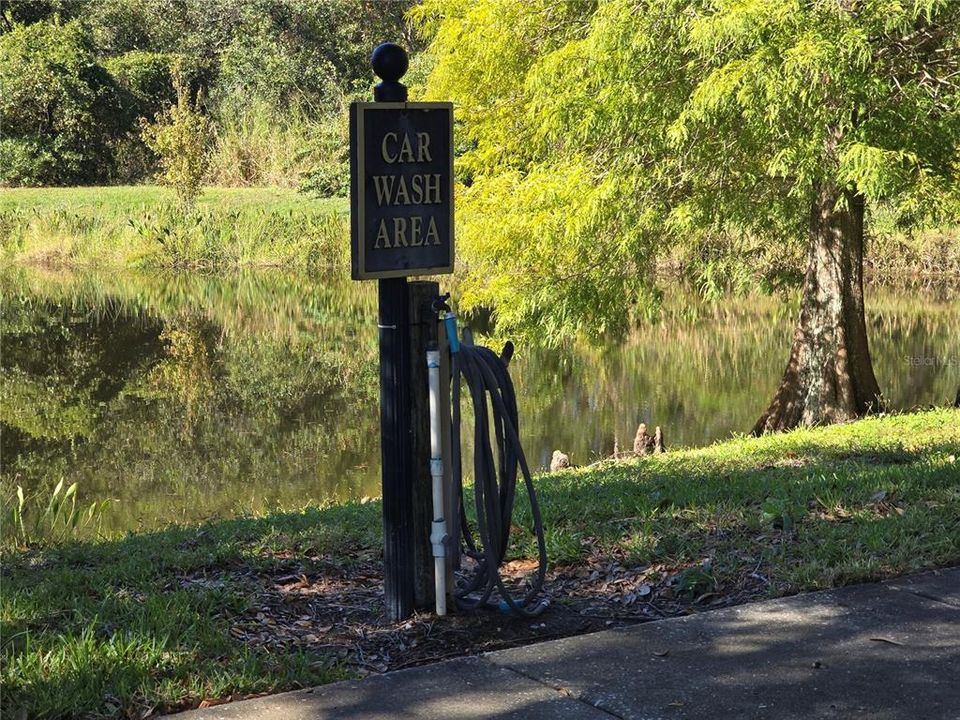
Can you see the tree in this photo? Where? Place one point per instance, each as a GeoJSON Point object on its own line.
{"type": "Point", "coordinates": [275, 74]}
{"type": "Point", "coordinates": [602, 136]}
{"type": "Point", "coordinates": [58, 107]}
{"type": "Point", "coordinates": [31, 11]}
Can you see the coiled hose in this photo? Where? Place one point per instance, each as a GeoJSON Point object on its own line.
{"type": "Point", "coordinates": [490, 386]}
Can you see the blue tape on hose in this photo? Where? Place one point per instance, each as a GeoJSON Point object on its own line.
{"type": "Point", "coordinates": [451, 323]}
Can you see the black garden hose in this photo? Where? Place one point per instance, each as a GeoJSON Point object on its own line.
{"type": "Point", "coordinates": [495, 486]}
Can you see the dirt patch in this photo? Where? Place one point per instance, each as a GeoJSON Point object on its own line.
{"type": "Point", "coordinates": [338, 614]}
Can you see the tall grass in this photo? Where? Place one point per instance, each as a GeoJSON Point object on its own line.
{"type": "Point", "coordinates": [39, 518]}
{"type": "Point", "coordinates": [214, 238]}
{"type": "Point", "coordinates": [929, 256]}
{"type": "Point", "coordinates": [256, 147]}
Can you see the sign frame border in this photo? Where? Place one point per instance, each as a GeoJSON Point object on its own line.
{"type": "Point", "coordinates": [358, 271]}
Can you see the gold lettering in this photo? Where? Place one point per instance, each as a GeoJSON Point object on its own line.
{"type": "Point", "coordinates": [423, 147]}
{"type": "Point", "coordinates": [402, 191]}
{"type": "Point", "coordinates": [383, 235]}
{"type": "Point", "coordinates": [432, 232]}
{"type": "Point", "coordinates": [415, 238]}
{"type": "Point", "coordinates": [406, 150]}
{"type": "Point", "coordinates": [384, 187]}
{"type": "Point", "coordinates": [416, 185]}
{"type": "Point", "coordinates": [383, 147]}
{"type": "Point", "coordinates": [399, 232]}
{"type": "Point", "coordinates": [432, 190]}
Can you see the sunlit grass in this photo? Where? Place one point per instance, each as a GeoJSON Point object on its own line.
{"type": "Point", "coordinates": [815, 507]}
{"type": "Point", "coordinates": [141, 226]}
{"type": "Point", "coordinates": [114, 628]}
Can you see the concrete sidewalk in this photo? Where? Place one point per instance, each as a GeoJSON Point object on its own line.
{"type": "Point", "coordinates": [884, 651]}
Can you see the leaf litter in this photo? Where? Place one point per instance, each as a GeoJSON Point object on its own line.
{"type": "Point", "coordinates": [336, 613]}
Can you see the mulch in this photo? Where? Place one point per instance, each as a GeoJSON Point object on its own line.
{"type": "Point", "coordinates": [337, 614]}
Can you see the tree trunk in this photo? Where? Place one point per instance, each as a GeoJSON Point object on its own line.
{"type": "Point", "coordinates": [829, 376]}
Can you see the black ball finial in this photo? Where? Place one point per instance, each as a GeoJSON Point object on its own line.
{"type": "Point", "coordinates": [389, 62]}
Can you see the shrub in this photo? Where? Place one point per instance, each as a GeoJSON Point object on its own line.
{"type": "Point", "coordinates": [145, 85]}
{"type": "Point", "coordinates": [262, 64]}
{"type": "Point", "coordinates": [58, 107]}
{"type": "Point", "coordinates": [180, 137]}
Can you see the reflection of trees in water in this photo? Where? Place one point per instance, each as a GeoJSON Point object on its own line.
{"type": "Point", "coordinates": [187, 396]}
{"type": "Point", "coordinates": [705, 371]}
{"type": "Point", "coordinates": [915, 343]}
{"type": "Point", "coordinates": [60, 366]}
{"type": "Point", "coordinates": [243, 396]}
{"type": "Point", "coordinates": [185, 375]}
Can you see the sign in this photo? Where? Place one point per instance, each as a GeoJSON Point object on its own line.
{"type": "Point", "coordinates": [401, 189]}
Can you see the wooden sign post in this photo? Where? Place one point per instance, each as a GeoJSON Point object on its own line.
{"type": "Point", "coordinates": [401, 224]}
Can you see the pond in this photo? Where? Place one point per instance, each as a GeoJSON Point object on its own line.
{"type": "Point", "coordinates": [184, 397]}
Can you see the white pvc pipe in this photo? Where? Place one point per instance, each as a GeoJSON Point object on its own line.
{"type": "Point", "coordinates": [438, 534]}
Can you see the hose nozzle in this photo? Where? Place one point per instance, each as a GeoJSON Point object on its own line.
{"type": "Point", "coordinates": [440, 303]}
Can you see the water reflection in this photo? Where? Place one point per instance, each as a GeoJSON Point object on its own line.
{"type": "Point", "coordinates": [186, 397]}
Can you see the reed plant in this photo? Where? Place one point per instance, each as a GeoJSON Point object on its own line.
{"type": "Point", "coordinates": [49, 518]}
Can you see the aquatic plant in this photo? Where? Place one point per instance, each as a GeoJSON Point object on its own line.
{"type": "Point", "coordinates": [39, 519]}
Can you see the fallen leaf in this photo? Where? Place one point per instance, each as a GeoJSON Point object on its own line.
{"type": "Point", "coordinates": [886, 640]}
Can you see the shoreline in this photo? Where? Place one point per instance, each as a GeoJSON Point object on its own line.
{"type": "Point", "coordinates": [138, 226]}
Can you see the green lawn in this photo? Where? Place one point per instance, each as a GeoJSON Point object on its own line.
{"type": "Point", "coordinates": [140, 226]}
{"type": "Point", "coordinates": [120, 626]}
{"type": "Point", "coordinates": [127, 198]}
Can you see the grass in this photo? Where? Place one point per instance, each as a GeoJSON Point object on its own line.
{"type": "Point", "coordinates": [104, 628]}
{"type": "Point", "coordinates": [140, 226]}
{"type": "Point", "coordinates": [116, 627]}
{"type": "Point", "coordinates": [816, 508]}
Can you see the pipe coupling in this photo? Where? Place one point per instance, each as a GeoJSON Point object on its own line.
{"type": "Point", "coordinates": [438, 538]}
